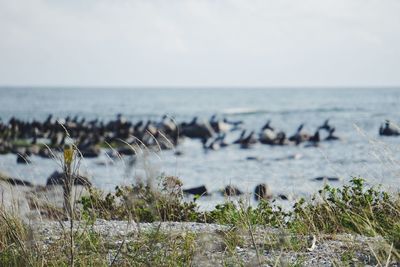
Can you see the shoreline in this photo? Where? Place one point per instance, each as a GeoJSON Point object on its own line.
{"type": "Point", "coordinates": [313, 233]}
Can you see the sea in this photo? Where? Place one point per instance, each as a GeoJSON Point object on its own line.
{"type": "Point", "coordinates": [356, 114]}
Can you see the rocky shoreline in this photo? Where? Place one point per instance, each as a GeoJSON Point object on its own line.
{"type": "Point", "coordinates": [212, 250]}
{"type": "Point", "coordinates": [210, 244]}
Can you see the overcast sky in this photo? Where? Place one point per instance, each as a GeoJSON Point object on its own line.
{"type": "Point", "coordinates": [200, 43]}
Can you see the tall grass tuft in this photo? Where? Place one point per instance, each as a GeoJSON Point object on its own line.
{"type": "Point", "coordinates": [352, 209]}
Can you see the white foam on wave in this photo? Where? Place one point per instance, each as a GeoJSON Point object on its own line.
{"type": "Point", "coordinates": [242, 111]}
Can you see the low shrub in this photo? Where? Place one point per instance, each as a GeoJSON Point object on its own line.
{"type": "Point", "coordinates": [142, 203]}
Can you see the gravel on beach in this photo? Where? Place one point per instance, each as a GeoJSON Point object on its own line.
{"type": "Point", "coordinates": [323, 250]}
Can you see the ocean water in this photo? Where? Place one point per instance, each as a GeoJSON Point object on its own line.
{"type": "Point", "coordinates": [355, 113]}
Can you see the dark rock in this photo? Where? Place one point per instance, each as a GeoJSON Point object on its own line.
{"type": "Point", "coordinates": [200, 191]}
{"type": "Point", "coordinates": [90, 152]}
{"type": "Point", "coordinates": [322, 178]}
{"type": "Point", "coordinates": [14, 181]}
{"type": "Point", "coordinates": [57, 178]}
{"type": "Point", "coordinates": [128, 151]}
{"type": "Point", "coordinates": [262, 191]}
{"type": "Point", "coordinates": [196, 131]}
{"type": "Point", "coordinates": [283, 197]}
{"type": "Point", "coordinates": [178, 153]}
{"type": "Point", "coordinates": [253, 158]}
{"type": "Point", "coordinates": [45, 152]}
{"type": "Point", "coordinates": [23, 159]}
{"type": "Point", "coordinates": [232, 191]}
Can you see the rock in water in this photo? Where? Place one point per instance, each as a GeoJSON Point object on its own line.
{"type": "Point", "coordinates": [283, 197]}
{"type": "Point", "coordinates": [232, 191]}
{"type": "Point", "coordinates": [23, 159]}
{"type": "Point", "coordinates": [322, 178]}
{"type": "Point", "coordinates": [14, 181]}
{"type": "Point", "coordinates": [262, 191]}
{"type": "Point", "coordinates": [56, 178]}
{"type": "Point", "coordinates": [200, 191]}
{"type": "Point", "coordinates": [90, 152]}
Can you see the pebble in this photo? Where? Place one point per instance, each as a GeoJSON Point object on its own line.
{"type": "Point", "coordinates": [328, 250]}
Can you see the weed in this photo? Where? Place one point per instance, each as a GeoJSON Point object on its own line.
{"type": "Point", "coordinates": [353, 208]}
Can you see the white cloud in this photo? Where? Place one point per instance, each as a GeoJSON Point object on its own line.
{"type": "Point", "coordinates": [200, 43]}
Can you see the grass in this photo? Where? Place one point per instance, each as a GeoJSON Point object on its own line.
{"type": "Point", "coordinates": [253, 236]}
{"type": "Point", "coordinates": [141, 203]}
{"type": "Point", "coordinates": [13, 249]}
{"type": "Point", "coordinates": [354, 209]}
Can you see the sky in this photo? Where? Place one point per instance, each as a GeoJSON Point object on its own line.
{"type": "Point", "coordinates": [203, 43]}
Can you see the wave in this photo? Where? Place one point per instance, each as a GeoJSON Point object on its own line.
{"type": "Point", "coordinates": [254, 111]}
{"type": "Point", "coordinates": [244, 111]}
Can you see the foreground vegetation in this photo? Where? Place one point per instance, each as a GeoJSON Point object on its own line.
{"type": "Point", "coordinates": [353, 209]}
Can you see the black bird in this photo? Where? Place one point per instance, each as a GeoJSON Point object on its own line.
{"type": "Point", "coordinates": [267, 126]}
{"type": "Point", "coordinates": [247, 141]}
{"type": "Point", "coordinates": [237, 141]}
{"type": "Point", "coordinates": [194, 121]}
{"type": "Point", "coordinates": [325, 126]}
{"type": "Point", "coordinates": [297, 137]}
{"type": "Point", "coordinates": [388, 130]}
{"type": "Point", "coordinates": [331, 137]}
{"type": "Point", "coordinates": [315, 138]}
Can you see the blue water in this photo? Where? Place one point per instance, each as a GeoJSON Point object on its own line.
{"type": "Point", "coordinates": [356, 114]}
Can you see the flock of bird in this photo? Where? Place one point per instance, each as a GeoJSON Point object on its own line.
{"type": "Point", "coordinates": [268, 135]}
{"type": "Point", "coordinates": [27, 137]}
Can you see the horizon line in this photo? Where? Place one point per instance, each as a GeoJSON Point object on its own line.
{"type": "Point", "coordinates": [135, 87]}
